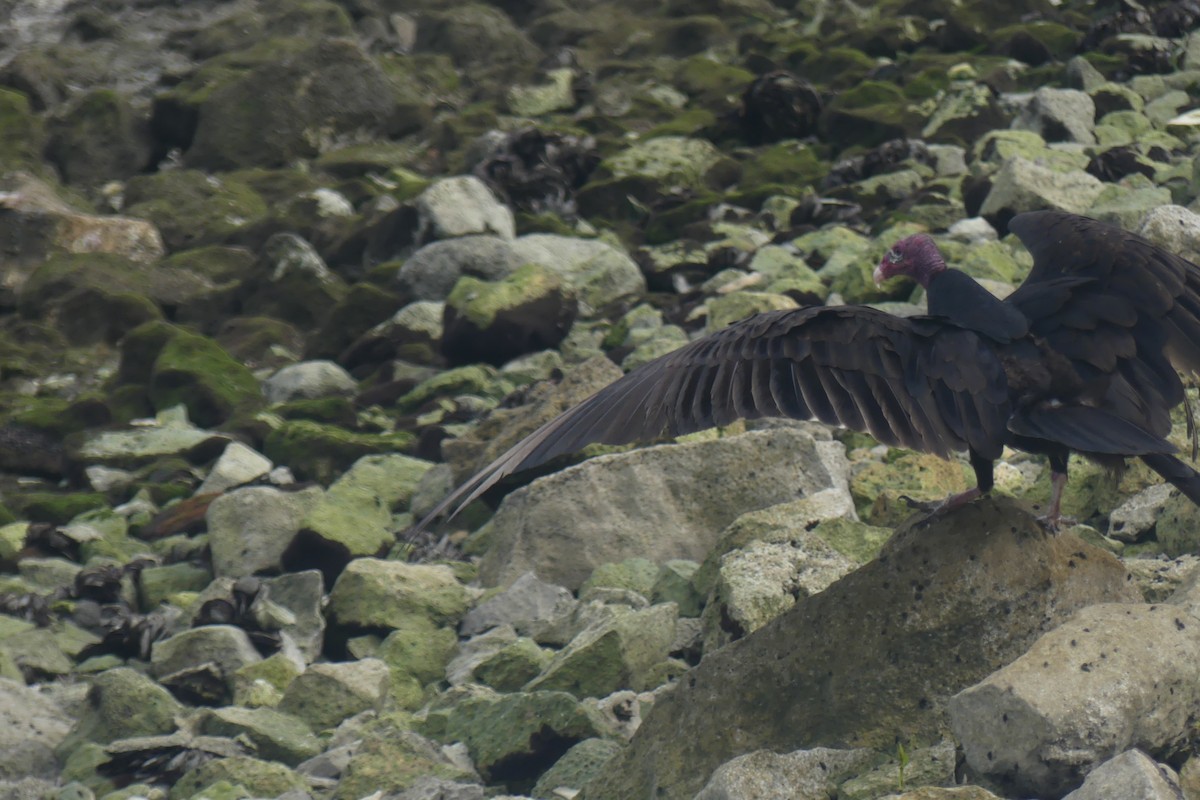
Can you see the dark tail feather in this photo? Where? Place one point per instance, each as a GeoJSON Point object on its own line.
{"type": "Point", "coordinates": [1183, 477]}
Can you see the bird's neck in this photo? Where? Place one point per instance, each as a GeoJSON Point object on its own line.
{"type": "Point", "coordinates": [930, 265]}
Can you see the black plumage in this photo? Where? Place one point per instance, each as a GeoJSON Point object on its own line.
{"type": "Point", "coordinates": [1082, 357]}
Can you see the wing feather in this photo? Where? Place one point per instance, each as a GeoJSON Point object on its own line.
{"type": "Point", "coordinates": [900, 379]}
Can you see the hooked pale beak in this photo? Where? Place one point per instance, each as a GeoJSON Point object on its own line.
{"type": "Point", "coordinates": [879, 275]}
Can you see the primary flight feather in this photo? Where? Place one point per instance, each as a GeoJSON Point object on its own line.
{"type": "Point", "coordinates": [1083, 357]}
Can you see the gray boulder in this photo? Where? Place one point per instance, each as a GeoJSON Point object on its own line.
{"type": "Point", "coordinates": [1131, 774]}
{"type": "Point", "coordinates": [660, 503]}
{"type": "Point", "coordinates": [1023, 185]}
{"type": "Point", "coordinates": [308, 380]}
{"type": "Point", "coordinates": [528, 604]}
{"type": "Point", "coordinates": [1060, 115]}
{"type": "Point", "coordinates": [237, 464]}
{"type": "Point", "coordinates": [598, 272]}
{"type": "Point", "coordinates": [459, 206]}
{"type": "Point", "coordinates": [249, 529]}
{"type": "Point", "coordinates": [876, 655]}
{"type": "Point", "coordinates": [431, 272]}
{"type": "Point", "coordinates": [1113, 677]}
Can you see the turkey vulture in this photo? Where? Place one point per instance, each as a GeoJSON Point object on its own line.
{"type": "Point", "coordinates": [1082, 358]}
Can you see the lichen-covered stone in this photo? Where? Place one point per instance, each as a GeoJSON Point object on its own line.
{"type": "Point", "coordinates": [251, 528]}
{"type": "Point", "coordinates": [372, 593]}
{"type": "Point", "coordinates": [259, 778]}
{"type": "Point", "coordinates": [123, 703]}
{"type": "Point", "coordinates": [877, 488]}
{"type": "Point", "coordinates": [320, 452]}
{"type": "Point", "coordinates": [577, 766]}
{"type": "Point", "coordinates": [526, 728]}
{"type": "Point", "coordinates": [276, 736]}
{"type": "Point", "coordinates": [618, 653]}
{"type": "Point", "coordinates": [512, 666]}
{"type": "Point", "coordinates": [906, 631]}
{"type": "Point", "coordinates": [417, 651]}
{"type": "Point", "coordinates": [225, 646]}
{"type": "Point", "coordinates": [325, 694]}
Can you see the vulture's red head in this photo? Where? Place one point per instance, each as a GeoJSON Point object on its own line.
{"type": "Point", "coordinates": [914, 256]}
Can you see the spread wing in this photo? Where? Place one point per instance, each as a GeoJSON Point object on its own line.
{"type": "Point", "coordinates": [915, 382]}
{"type": "Point", "coordinates": [1125, 312]}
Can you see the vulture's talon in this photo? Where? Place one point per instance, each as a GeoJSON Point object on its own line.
{"type": "Point", "coordinates": [920, 505]}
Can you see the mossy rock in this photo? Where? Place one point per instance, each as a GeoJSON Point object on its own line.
{"type": "Point", "coordinates": [94, 297]}
{"type": "Point", "coordinates": [392, 756]}
{"type": "Point", "coordinates": [476, 379]}
{"type": "Point", "coordinates": [261, 342]}
{"type": "Point", "coordinates": [870, 114]}
{"type": "Point", "coordinates": [307, 19]}
{"type": "Point", "coordinates": [328, 89]}
{"type": "Point", "coordinates": [711, 82]}
{"type": "Point", "coordinates": [99, 138]}
{"type": "Point", "coordinates": [217, 263]}
{"type": "Point", "coordinates": [260, 778]}
{"type": "Point", "coordinates": [57, 416]}
{"type": "Point", "coordinates": [685, 36]}
{"type": "Point", "coordinates": [20, 132]}
{"type": "Point", "coordinates": [322, 452]}
{"type": "Point", "coordinates": [838, 67]}
{"type": "Point", "coordinates": [877, 488]}
{"type": "Point", "coordinates": [191, 208]}
{"type": "Point", "coordinates": [1036, 42]}
{"type": "Point", "coordinates": [55, 508]}
{"type": "Point", "coordinates": [789, 165]}
{"type": "Point", "coordinates": [529, 310]}
{"type": "Point", "coordinates": [194, 371]}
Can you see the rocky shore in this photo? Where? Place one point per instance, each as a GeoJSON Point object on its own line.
{"type": "Point", "coordinates": [275, 275]}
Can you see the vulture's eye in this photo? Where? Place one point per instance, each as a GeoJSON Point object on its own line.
{"type": "Point", "coordinates": [893, 256]}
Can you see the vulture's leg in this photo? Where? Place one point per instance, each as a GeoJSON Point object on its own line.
{"type": "Point", "coordinates": [1058, 482]}
{"type": "Point", "coordinates": [984, 481]}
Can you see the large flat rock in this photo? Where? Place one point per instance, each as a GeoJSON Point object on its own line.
{"type": "Point", "coordinates": [877, 655]}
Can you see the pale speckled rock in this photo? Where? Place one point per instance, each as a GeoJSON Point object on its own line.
{"type": "Point", "coordinates": [663, 502]}
{"type": "Point", "coordinates": [874, 656]}
{"type": "Point", "coordinates": [528, 604]}
{"type": "Point", "coordinates": [249, 529]}
{"type": "Point", "coordinates": [459, 206]}
{"type": "Point", "coordinates": [1059, 115]}
{"type": "Point", "coordinates": [800, 775]}
{"type": "Point", "coordinates": [1131, 774]}
{"type": "Point", "coordinates": [758, 582]}
{"type": "Point", "coordinates": [1022, 185]}
{"type": "Point", "coordinates": [1160, 578]}
{"type": "Point", "coordinates": [1113, 677]}
{"type": "Point", "coordinates": [325, 694]}
{"type": "Point", "coordinates": [237, 465]}
{"type": "Point", "coordinates": [308, 380]}
{"type": "Point", "coordinates": [946, 793]}
{"type": "Point", "coordinates": [1137, 515]}
{"type": "Point", "coordinates": [1173, 228]}
{"type": "Point", "coordinates": [31, 727]}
